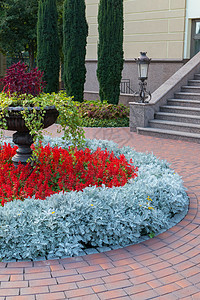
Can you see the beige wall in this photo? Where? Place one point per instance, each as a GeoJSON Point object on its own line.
{"type": "Point", "coordinates": [155, 26]}
{"type": "Point", "coordinates": [91, 15]}
{"type": "Point", "coordinates": [193, 9]}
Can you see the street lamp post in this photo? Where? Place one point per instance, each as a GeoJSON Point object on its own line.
{"type": "Point", "coordinates": [143, 67]}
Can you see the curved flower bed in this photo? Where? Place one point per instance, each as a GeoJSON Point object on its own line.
{"type": "Point", "coordinates": [66, 222]}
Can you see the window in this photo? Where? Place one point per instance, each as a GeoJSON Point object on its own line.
{"type": "Point", "coordinates": [195, 42]}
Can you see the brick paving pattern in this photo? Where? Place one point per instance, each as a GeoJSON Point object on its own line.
{"type": "Point", "coordinates": [165, 267]}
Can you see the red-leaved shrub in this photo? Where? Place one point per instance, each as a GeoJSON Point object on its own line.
{"type": "Point", "coordinates": [18, 80]}
{"type": "Point", "coordinates": [61, 170]}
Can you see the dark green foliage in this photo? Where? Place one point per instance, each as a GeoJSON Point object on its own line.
{"type": "Point", "coordinates": [120, 122]}
{"type": "Point", "coordinates": [48, 59]}
{"type": "Point", "coordinates": [110, 49]}
{"type": "Point", "coordinates": [60, 27]}
{"type": "Point", "coordinates": [75, 31]}
{"type": "Point", "coordinates": [18, 19]}
{"type": "Point", "coordinates": [97, 109]}
{"type": "Point", "coordinates": [98, 114]}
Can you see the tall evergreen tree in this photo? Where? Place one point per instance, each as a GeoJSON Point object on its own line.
{"type": "Point", "coordinates": [75, 31]}
{"type": "Point", "coordinates": [110, 49]}
{"type": "Point", "coordinates": [48, 44]}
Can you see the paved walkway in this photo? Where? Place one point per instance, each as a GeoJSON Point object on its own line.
{"type": "Point", "coordinates": [165, 267]}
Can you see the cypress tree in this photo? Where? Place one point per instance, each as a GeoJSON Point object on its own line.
{"type": "Point", "coordinates": [48, 59]}
{"type": "Point", "coordinates": [110, 49]}
{"type": "Point", "coordinates": [75, 31]}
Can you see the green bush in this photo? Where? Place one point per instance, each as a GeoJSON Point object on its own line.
{"type": "Point", "coordinates": [98, 114]}
{"type": "Point", "coordinates": [75, 32]}
{"type": "Point", "coordinates": [110, 49]}
{"type": "Point", "coordinates": [48, 59]}
{"type": "Point", "coordinates": [89, 122]}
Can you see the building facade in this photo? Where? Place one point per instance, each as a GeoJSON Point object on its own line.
{"type": "Point", "coordinates": [168, 30]}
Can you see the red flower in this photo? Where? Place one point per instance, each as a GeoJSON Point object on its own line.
{"type": "Point", "coordinates": [61, 170]}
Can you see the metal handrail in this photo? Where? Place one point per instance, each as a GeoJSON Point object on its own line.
{"type": "Point", "coordinates": [125, 87]}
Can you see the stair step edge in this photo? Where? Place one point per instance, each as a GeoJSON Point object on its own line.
{"type": "Point", "coordinates": [180, 107]}
{"type": "Point", "coordinates": [191, 87]}
{"type": "Point", "coordinates": [170, 132]}
{"type": "Point", "coordinates": [184, 100]}
{"type": "Point", "coordinates": [177, 115]}
{"type": "Point", "coordinates": [185, 93]}
{"type": "Point", "coordinates": [174, 123]}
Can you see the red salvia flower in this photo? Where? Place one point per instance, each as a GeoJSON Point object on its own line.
{"type": "Point", "coordinates": [61, 170]}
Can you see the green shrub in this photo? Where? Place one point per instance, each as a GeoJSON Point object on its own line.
{"type": "Point", "coordinates": [98, 114]}
{"type": "Point", "coordinates": [75, 32]}
{"type": "Point", "coordinates": [48, 60]}
{"type": "Point", "coordinates": [93, 122]}
{"type": "Point", "coordinates": [110, 49]}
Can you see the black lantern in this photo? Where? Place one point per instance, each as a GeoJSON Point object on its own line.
{"type": "Point", "coordinates": [143, 67]}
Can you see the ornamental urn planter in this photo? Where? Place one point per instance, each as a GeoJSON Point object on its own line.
{"type": "Point", "coordinates": [22, 137]}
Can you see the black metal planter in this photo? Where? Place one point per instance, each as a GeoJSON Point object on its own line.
{"type": "Point", "coordinates": [22, 138]}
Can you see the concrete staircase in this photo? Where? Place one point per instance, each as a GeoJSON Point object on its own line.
{"type": "Point", "coordinates": [180, 118]}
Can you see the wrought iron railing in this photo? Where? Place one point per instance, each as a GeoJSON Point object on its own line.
{"type": "Point", "coordinates": [125, 87]}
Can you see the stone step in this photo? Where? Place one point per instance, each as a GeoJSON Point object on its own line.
{"type": "Point", "coordinates": [170, 134]}
{"type": "Point", "coordinates": [176, 126]}
{"type": "Point", "coordinates": [184, 102]}
{"type": "Point", "coordinates": [180, 110]}
{"type": "Point", "coordinates": [194, 82]}
{"type": "Point", "coordinates": [177, 117]}
{"type": "Point", "coordinates": [190, 89]}
{"type": "Point", "coordinates": [182, 95]}
{"type": "Point", "coordinates": [197, 76]}
{"type": "Point", "coordinates": [180, 118]}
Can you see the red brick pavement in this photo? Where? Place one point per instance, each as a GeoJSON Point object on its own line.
{"type": "Point", "coordinates": [165, 267]}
